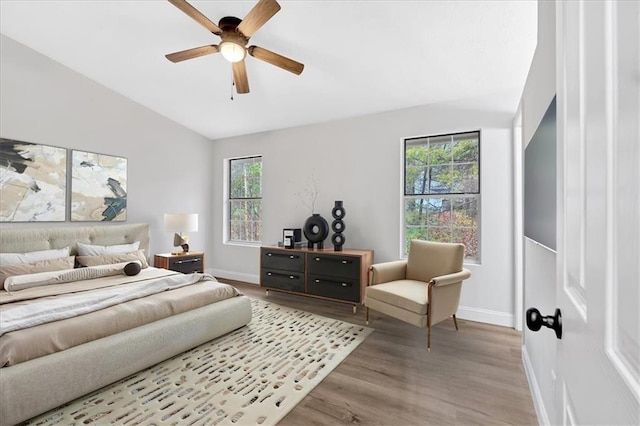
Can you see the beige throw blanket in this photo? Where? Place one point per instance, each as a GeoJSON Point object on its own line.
{"type": "Point", "coordinates": [85, 296]}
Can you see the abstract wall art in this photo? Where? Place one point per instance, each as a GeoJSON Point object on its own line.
{"type": "Point", "coordinates": [98, 187]}
{"type": "Point", "coordinates": [33, 182]}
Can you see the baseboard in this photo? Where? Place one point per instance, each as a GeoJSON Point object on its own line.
{"type": "Point", "coordinates": [248, 278]}
{"type": "Point", "coordinates": [538, 403]}
{"type": "Point", "coordinates": [487, 316]}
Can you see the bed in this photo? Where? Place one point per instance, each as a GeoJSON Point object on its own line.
{"type": "Point", "coordinates": [44, 381]}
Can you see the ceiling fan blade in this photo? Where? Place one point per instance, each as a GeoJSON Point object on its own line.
{"type": "Point", "coordinates": [192, 53]}
{"type": "Point", "coordinates": [275, 59]}
{"type": "Point", "coordinates": [196, 15]}
{"type": "Point", "coordinates": [240, 77]}
{"type": "Point", "coordinates": [261, 13]}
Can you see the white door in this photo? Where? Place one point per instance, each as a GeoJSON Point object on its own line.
{"type": "Point", "coordinates": [598, 104]}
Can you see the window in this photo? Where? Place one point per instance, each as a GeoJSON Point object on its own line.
{"type": "Point", "coordinates": [245, 199]}
{"type": "Point", "coordinates": [442, 190]}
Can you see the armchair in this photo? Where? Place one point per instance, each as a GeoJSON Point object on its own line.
{"type": "Point", "coordinates": [424, 289]}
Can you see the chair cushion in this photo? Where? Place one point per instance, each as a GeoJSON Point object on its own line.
{"type": "Point", "coordinates": [406, 294]}
{"type": "Point", "coordinates": [429, 259]}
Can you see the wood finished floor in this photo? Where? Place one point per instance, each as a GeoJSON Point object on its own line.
{"type": "Point", "coordinates": [471, 377]}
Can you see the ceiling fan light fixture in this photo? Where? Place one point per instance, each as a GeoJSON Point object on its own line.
{"type": "Point", "coordinates": [232, 51]}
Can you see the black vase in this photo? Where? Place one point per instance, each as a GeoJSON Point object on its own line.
{"type": "Point", "coordinates": [338, 226]}
{"type": "Point", "coordinates": [316, 230]}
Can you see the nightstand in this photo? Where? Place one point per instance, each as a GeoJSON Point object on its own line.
{"type": "Point", "coordinates": [185, 263]}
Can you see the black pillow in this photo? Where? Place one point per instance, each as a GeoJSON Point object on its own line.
{"type": "Point", "coordinates": [132, 268]}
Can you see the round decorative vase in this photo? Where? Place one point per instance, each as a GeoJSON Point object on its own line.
{"type": "Point", "coordinates": [316, 230]}
{"type": "Point", "coordinates": [338, 226]}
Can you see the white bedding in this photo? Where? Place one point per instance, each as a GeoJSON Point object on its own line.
{"type": "Point", "coordinates": [86, 296]}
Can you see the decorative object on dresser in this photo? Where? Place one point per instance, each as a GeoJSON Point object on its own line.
{"type": "Point", "coordinates": [338, 276]}
{"type": "Point", "coordinates": [34, 182]}
{"type": "Point", "coordinates": [185, 263]}
{"type": "Point", "coordinates": [98, 187]}
{"type": "Point", "coordinates": [316, 230]}
{"type": "Point", "coordinates": [291, 236]}
{"type": "Point", "coordinates": [338, 226]}
{"type": "Point", "coordinates": [181, 223]}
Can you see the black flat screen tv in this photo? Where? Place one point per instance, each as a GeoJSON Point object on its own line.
{"type": "Point", "coordinates": [540, 181]}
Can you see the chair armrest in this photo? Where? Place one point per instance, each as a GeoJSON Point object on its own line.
{"type": "Point", "coordinates": [387, 271]}
{"type": "Point", "coordinates": [456, 277]}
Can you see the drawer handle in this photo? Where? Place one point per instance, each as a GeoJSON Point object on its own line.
{"type": "Point", "coordinates": [342, 284]}
{"type": "Point", "coordinates": [179, 262]}
{"type": "Point", "coordinates": [291, 277]}
{"type": "Point", "coordinates": [292, 256]}
{"type": "Point", "coordinates": [343, 261]}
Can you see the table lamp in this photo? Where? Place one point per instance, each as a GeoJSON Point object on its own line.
{"type": "Point", "coordinates": [181, 223]}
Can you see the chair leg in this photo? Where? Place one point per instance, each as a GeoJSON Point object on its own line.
{"type": "Point", "coordinates": [367, 319]}
{"type": "Point", "coordinates": [455, 321]}
{"type": "Point", "coordinates": [428, 339]}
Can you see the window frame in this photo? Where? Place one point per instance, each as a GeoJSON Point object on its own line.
{"type": "Point", "coordinates": [228, 200]}
{"type": "Point", "coordinates": [445, 195]}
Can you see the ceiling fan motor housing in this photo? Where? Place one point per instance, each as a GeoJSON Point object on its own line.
{"type": "Point", "coordinates": [229, 23]}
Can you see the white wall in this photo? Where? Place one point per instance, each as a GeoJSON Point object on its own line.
{"type": "Point", "coordinates": [168, 165]}
{"type": "Point", "coordinates": [539, 349]}
{"type": "Point", "coordinates": [358, 161]}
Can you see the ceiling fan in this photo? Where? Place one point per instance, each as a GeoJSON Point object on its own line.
{"type": "Point", "coordinates": [235, 34]}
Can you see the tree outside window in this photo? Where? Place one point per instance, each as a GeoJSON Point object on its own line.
{"type": "Point", "coordinates": [442, 190]}
{"type": "Point", "coordinates": [245, 199]}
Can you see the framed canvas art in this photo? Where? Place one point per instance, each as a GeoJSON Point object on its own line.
{"type": "Point", "coordinates": [98, 187]}
{"type": "Point", "coordinates": [33, 182]}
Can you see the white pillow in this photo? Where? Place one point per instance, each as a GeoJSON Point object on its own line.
{"type": "Point", "coordinates": [93, 250]}
{"type": "Point", "coordinates": [21, 282]}
{"type": "Point", "coordinates": [34, 267]}
{"type": "Point", "coordinates": [33, 256]}
{"type": "Point", "coordinates": [106, 259]}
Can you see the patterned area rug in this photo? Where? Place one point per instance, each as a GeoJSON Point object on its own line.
{"type": "Point", "coordinates": [252, 376]}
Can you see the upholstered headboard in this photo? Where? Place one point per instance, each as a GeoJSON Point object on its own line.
{"type": "Point", "coordinates": [39, 238]}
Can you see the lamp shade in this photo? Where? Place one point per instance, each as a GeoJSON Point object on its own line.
{"type": "Point", "coordinates": [183, 222]}
{"type": "Point", "coordinates": [232, 52]}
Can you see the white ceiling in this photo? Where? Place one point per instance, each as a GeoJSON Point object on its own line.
{"type": "Point", "coordinates": [360, 57]}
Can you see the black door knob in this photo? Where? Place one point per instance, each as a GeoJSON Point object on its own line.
{"type": "Point", "coordinates": [535, 321]}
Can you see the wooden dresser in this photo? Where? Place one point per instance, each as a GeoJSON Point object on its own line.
{"type": "Point", "coordinates": [340, 276]}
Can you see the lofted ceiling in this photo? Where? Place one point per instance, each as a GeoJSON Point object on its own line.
{"type": "Point", "coordinates": [361, 57]}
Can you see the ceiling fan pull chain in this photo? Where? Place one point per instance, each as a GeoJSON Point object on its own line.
{"type": "Point", "coordinates": [233, 83]}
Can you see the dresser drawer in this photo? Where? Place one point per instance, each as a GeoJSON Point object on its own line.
{"type": "Point", "coordinates": [281, 259]}
{"type": "Point", "coordinates": [336, 288]}
{"type": "Point", "coordinates": [282, 280]}
{"type": "Point", "coordinates": [186, 264]}
{"type": "Point", "coordinates": [335, 266]}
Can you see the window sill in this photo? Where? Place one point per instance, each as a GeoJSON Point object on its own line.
{"type": "Point", "coordinates": [243, 243]}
